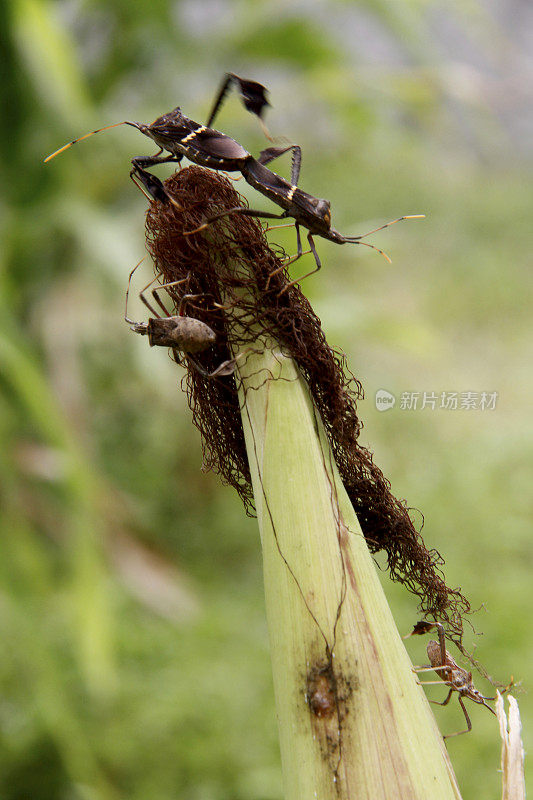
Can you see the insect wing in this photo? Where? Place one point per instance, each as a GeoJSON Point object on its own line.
{"type": "Point", "coordinates": [269, 180]}
{"type": "Point", "coordinates": [217, 144]}
{"type": "Point", "coordinates": [435, 657]}
{"type": "Point", "coordinates": [306, 202]}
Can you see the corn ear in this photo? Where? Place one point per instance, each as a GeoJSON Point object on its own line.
{"type": "Point", "coordinates": [353, 722]}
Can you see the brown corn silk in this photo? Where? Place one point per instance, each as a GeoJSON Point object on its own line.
{"type": "Point", "coordinates": [231, 264]}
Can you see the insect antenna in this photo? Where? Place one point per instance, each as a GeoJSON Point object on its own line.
{"type": "Point", "coordinates": [355, 240]}
{"type": "Point", "coordinates": [86, 136]}
{"type": "Point", "coordinates": [381, 227]}
{"type": "Point", "coordinates": [483, 703]}
{"type": "Point", "coordinates": [134, 270]}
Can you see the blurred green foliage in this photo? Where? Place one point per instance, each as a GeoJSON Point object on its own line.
{"type": "Point", "coordinates": [135, 653]}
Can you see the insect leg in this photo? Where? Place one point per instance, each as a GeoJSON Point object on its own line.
{"type": "Point", "coordinates": [277, 227]}
{"type": "Point", "coordinates": [444, 702]}
{"type": "Point", "coordinates": [226, 367]}
{"type": "Point", "coordinates": [146, 302]}
{"type": "Point", "coordinates": [313, 250]}
{"type": "Point", "coordinates": [247, 212]}
{"type": "Point", "coordinates": [155, 292]}
{"type": "Point", "coordinates": [299, 254]}
{"type": "Point", "coordinates": [143, 162]}
{"type": "Point", "coordinates": [318, 265]}
{"type": "Point", "coordinates": [226, 83]}
{"type": "Point", "coordinates": [469, 728]}
{"type": "Point", "coordinates": [153, 186]}
{"type": "Point", "coordinates": [253, 95]}
{"type": "Point", "coordinates": [183, 300]}
{"type": "Point", "coordinates": [430, 683]}
{"type": "Point", "coordinates": [299, 251]}
{"type": "Point", "coordinates": [150, 186]}
{"type": "Point", "coordinates": [271, 153]}
{"type": "Point", "coordinates": [156, 296]}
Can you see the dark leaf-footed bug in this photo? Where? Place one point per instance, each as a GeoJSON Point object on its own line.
{"type": "Point", "coordinates": [182, 137]}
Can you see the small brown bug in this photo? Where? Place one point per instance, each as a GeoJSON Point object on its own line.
{"type": "Point", "coordinates": [186, 334]}
{"type": "Point", "coordinates": [450, 673]}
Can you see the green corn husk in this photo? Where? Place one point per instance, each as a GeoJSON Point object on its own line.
{"type": "Point", "coordinates": [353, 722]}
